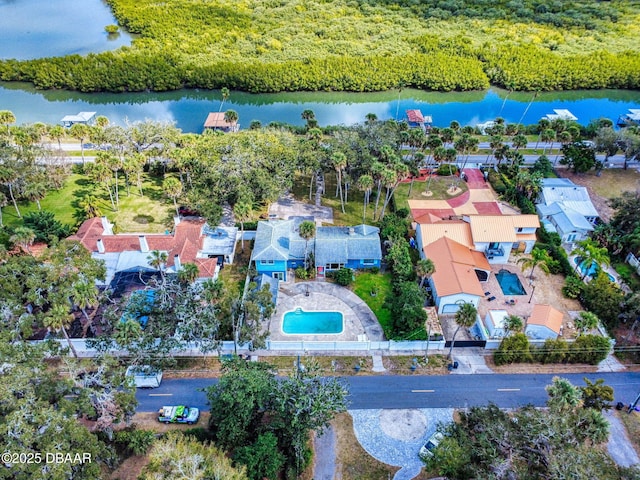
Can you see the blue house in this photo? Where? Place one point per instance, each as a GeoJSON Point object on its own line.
{"type": "Point", "coordinates": [279, 247]}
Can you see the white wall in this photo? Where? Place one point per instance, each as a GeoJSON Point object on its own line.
{"type": "Point", "coordinates": [539, 331]}
{"type": "Point", "coordinates": [455, 299]}
{"type": "Point", "coordinates": [506, 247]}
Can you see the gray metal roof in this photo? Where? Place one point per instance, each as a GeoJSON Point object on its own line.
{"type": "Point", "coordinates": [565, 218]}
{"type": "Point", "coordinates": [564, 191]}
{"type": "Point", "coordinates": [272, 240]}
{"type": "Point", "coordinates": [340, 244]}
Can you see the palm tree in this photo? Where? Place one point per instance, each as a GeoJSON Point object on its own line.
{"type": "Point", "coordinates": [466, 316]}
{"type": "Point", "coordinates": [158, 260]}
{"type": "Point", "coordinates": [513, 324]}
{"type": "Point", "coordinates": [365, 184]}
{"type": "Point", "coordinates": [35, 190]}
{"type": "Point", "coordinates": [371, 118]}
{"type": "Point", "coordinates": [586, 321]}
{"type": "Point", "coordinates": [24, 237]}
{"type": "Point", "coordinates": [539, 258]}
{"type": "Point", "coordinates": [547, 136]}
{"type": "Point", "coordinates": [242, 211]}
{"type": "Point", "coordinates": [224, 92]}
{"type": "Point", "coordinates": [339, 162]}
{"type": "Point", "coordinates": [188, 273]}
{"type": "Point", "coordinates": [590, 254]}
{"type": "Point", "coordinates": [564, 138]}
{"type": "Point", "coordinates": [84, 295]}
{"type": "Point", "coordinates": [307, 231]}
{"type": "Point", "coordinates": [519, 141]}
{"type": "Point", "coordinates": [172, 187]}
{"type": "Point", "coordinates": [9, 175]}
{"type": "Point", "coordinates": [7, 118]}
{"type": "Point", "coordinates": [563, 396]}
{"type": "Point", "coordinates": [3, 203]}
{"type": "Point", "coordinates": [310, 117]}
{"type": "Point", "coordinates": [543, 124]}
{"type": "Point", "coordinates": [80, 132]}
{"type": "Point", "coordinates": [56, 132]}
{"type": "Point", "coordinates": [392, 178]}
{"type": "Point", "coordinates": [58, 318]}
{"type": "Point", "coordinates": [424, 269]}
{"type": "Point", "coordinates": [231, 116]}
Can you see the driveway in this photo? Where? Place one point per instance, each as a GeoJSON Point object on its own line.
{"type": "Point", "coordinates": [287, 206]}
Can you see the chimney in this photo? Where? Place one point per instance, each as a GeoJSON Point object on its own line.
{"type": "Point", "coordinates": [100, 246]}
{"type": "Point", "coordinates": [106, 226]}
{"type": "Point", "coordinates": [352, 231]}
{"type": "Point", "coordinates": [176, 263]}
{"type": "Point", "coordinates": [176, 220]}
{"type": "Point", "coordinates": [144, 246]}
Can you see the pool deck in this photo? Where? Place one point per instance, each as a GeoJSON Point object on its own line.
{"type": "Point", "coordinates": [358, 318]}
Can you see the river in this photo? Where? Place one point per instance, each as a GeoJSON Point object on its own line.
{"type": "Point", "coordinates": [50, 28]}
{"type": "Point", "coordinates": [189, 108]}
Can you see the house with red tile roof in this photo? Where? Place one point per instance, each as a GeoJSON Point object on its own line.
{"type": "Point", "coordinates": [415, 118]}
{"type": "Point", "coordinates": [192, 241]}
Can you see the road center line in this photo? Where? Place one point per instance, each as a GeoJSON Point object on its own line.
{"type": "Point", "coordinates": [422, 391]}
{"type": "Point", "coordinates": [508, 389]}
{"type": "Point", "coordinates": [161, 394]}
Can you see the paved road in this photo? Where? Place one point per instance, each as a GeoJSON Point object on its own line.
{"type": "Point", "coordinates": [416, 391]}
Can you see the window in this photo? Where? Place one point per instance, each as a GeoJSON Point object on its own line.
{"type": "Point", "coordinates": [520, 229]}
{"type": "Point", "coordinates": [494, 245]}
{"type": "Point", "coordinates": [335, 266]}
{"type": "Point", "coordinates": [266, 262]}
{"type": "Point", "coordinates": [368, 261]}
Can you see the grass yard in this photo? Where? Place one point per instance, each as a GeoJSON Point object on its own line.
{"type": "Point", "coordinates": [353, 207]}
{"type": "Point", "coordinates": [151, 213]}
{"type": "Point", "coordinates": [381, 283]}
{"type": "Point", "coordinates": [438, 187]}
{"type": "Point", "coordinates": [631, 422]}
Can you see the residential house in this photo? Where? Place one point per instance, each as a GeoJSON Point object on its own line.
{"type": "Point", "coordinates": [498, 235]}
{"type": "Point", "coordinates": [279, 247]}
{"type": "Point", "coordinates": [215, 121]}
{"type": "Point", "coordinates": [494, 235]}
{"type": "Point", "coordinates": [566, 208]}
{"type": "Point", "coordinates": [192, 241]}
{"type": "Point", "coordinates": [86, 118]}
{"type": "Point", "coordinates": [544, 322]}
{"type": "Point", "coordinates": [459, 271]}
{"type": "Point", "coordinates": [629, 119]}
{"type": "Point", "coordinates": [561, 114]}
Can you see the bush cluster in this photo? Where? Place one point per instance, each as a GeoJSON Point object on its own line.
{"type": "Point", "coordinates": [591, 349]}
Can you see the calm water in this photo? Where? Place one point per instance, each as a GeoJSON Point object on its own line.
{"type": "Point", "coordinates": [48, 28]}
{"type": "Point", "coordinates": [189, 108]}
{"type": "Point", "coordinates": [302, 322]}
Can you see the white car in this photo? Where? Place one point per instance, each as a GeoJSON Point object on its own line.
{"type": "Point", "coordinates": [178, 414]}
{"type": "Point", "coordinates": [426, 451]}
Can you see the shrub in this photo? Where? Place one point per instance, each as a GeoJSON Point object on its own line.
{"type": "Point", "coordinates": [262, 458]}
{"type": "Point", "coordinates": [136, 442]}
{"type": "Point", "coordinates": [344, 276]}
{"type": "Point", "coordinates": [46, 227]}
{"type": "Point", "coordinates": [513, 349]}
{"type": "Point", "coordinates": [553, 351]}
{"type": "Point", "coordinates": [111, 29]}
{"type": "Point", "coordinates": [301, 273]}
{"type": "Point", "coordinates": [402, 213]}
{"type": "Point", "coordinates": [447, 169]}
{"type": "Point", "coordinates": [591, 349]}
{"type": "Point", "coordinates": [573, 287]}
{"type": "Point", "coordinates": [374, 270]}
{"type": "Point", "coordinates": [496, 181]}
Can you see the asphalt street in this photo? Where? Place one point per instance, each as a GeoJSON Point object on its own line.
{"type": "Point", "coordinates": [415, 391]}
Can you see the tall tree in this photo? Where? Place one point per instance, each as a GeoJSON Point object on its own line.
{"type": "Point", "coordinates": [224, 93]}
{"type": "Point", "coordinates": [339, 163]}
{"type": "Point", "coordinates": [58, 319]}
{"type": "Point", "coordinates": [80, 132]}
{"type": "Point", "coordinates": [172, 187]}
{"type": "Point", "coordinates": [188, 273]}
{"type": "Point", "coordinates": [590, 254]}
{"type": "Point", "coordinates": [7, 118]}
{"type": "Point", "coordinates": [365, 185]}
{"type": "Point", "coordinates": [23, 237]}
{"type": "Point", "coordinates": [158, 260]}
{"type": "Point", "coordinates": [466, 317]}
{"type": "Point", "coordinates": [307, 231]}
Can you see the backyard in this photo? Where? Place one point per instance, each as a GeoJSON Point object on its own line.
{"type": "Point", "coordinates": [152, 213]}
{"type": "Point", "coordinates": [380, 285]}
{"type": "Point", "coordinates": [438, 187]}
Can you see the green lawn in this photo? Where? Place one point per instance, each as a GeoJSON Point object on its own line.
{"type": "Point", "coordinates": [381, 282]}
{"type": "Point", "coordinates": [353, 207]}
{"type": "Point", "coordinates": [152, 213]}
{"type": "Point", "coordinates": [438, 187]}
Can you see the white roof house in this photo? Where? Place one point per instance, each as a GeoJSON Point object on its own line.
{"type": "Point", "coordinates": [566, 207]}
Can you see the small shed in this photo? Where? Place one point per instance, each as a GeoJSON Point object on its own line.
{"type": "Point", "coordinates": [544, 322]}
{"type": "Point", "coordinates": [494, 321]}
{"type": "Point", "coordinates": [415, 118]}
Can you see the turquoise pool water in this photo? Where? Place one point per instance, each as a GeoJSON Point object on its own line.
{"type": "Point", "coordinates": [593, 269]}
{"type": "Point", "coordinates": [510, 283]}
{"type": "Point", "coordinates": [299, 322]}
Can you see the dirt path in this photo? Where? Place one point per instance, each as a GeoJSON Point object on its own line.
{"type": "Point", "coordinates": [324, 462]}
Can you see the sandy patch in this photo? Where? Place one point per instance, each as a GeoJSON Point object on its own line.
{"type": "Point", "coordinates": [405, 425]}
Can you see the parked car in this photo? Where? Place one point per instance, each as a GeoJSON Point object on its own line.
{"type": "Point", "coordinates": [178, 414]}
{"type": "Point", "coordinates": [426, 451]}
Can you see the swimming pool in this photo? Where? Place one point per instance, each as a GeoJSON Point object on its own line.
{"type": "Point", "coordinates": [593, 269]}
{"type": "Point", "coordinates": [510, 283]}
{"type": "Point", "coordinates": [299, 322]}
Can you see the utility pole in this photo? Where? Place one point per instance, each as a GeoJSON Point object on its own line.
{"type": "Point", "coordinates": [633, 405]}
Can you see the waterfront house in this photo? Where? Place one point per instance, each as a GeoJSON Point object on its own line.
{"type": "Point", "coordinates": [86, 118]}
{"type": "Point", "coordinates": [566, 208]}
{"type": "Point", "coordinates": [215, 121]}
{"type": "Point", "coordinates": [629, 119]}
{"type": "Point", "coordinates": [192, 241]}
{"type": "Point", "coordinates": [544, 322]}
{"type": "Point", "coordinates": [279, 247]}
{"type": "Point", "coordinates": [561, 114]}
